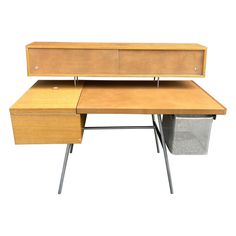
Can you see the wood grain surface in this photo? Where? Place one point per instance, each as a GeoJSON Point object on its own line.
{"type": "Point", "coordinates": [136, 46]}
{"type": "Point", "coordinates": [46, 114]}
{"type": "Point", "coordinates": [73, 61]}
{"type": "Point", "coordinates": [116, 59]}
{"type": "Point", "coordinates": [49, 96]}
{"type": "Point", "coordinates": [143, 97]}
{"type": "Point", "coordinates": [161, 62]}
{"type": "Point", "coordinates": [55, 111]}
{"type": "Point", "coordinates": [48, 128]}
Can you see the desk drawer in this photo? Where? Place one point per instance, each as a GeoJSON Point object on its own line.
{"type": "Point", "coordinates": [162, 62]}
{"type": "Point", "coordinates": [47, 128]}
{"type": "Point", "coordinates": [72, 62]}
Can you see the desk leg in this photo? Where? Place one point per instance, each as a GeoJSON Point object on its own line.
{"type": "Point", "coordinates": [155, 133]}
{"type": "Point", "coordinates": [69, 149]}
{"type": "Point", "coordinates": [165, 154]}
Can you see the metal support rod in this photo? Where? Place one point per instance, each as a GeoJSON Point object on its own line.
{"type": "Point", "coordinates": [75, 80]}
{"type": "Point", "coordinates": [155, 133]}
{"type": "Point", "coordinates": [71, 148]}
{"type": "Point", "coordinates": [68, 149]}
{"type": "Point", "coordinates": [158, 81]}
{"type": "Point", "coordinates": [165, 154]}
{"type": "Point", "coordinates": [158, 132]}
{"type": "Point", "coordinates": [117, 127]}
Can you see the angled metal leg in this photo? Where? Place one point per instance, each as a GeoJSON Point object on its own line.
{"type": "Point", "coordinates": [165, 154]}
{"type": "Point", "coordinates": [68, 149]}
{"type": "Point", "coordinates": [71, 148]}
{"type": "Point", "coordinates": [155, 133]}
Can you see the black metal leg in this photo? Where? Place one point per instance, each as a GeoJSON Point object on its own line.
{"type": "Point", "coordinates": [155, 133]}
{"type": "Point", "coordinates": [71, 148]}
{"type": "Point", "coordinates": [68, 149]}
{"type": "Point", "coordinates": [165, 154]}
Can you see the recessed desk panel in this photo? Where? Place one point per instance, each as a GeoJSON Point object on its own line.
{"type": "Point", "coordinates": [144, 97]}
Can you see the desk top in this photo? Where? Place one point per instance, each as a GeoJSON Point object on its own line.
{"type": "Point", "coordinates": [143, 97]}
{"type": "Point", "coordinates": [117, 97]}
{"type": "Point", "coordinates": [131, 46]}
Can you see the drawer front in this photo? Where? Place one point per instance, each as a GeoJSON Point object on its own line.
{"type": "Point", "coordinates": [72, 62]}
{"type": "Point", "coordinates": [163, 63]}
{"type": "Point", "coordinates": [48, 129]}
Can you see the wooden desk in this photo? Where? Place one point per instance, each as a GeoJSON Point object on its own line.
{"type": "Point", "coordinates": [55, 111]}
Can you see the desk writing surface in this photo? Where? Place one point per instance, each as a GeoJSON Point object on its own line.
{"type": "Point", "coordinates": [49, 96]}
{"type": "Point", "coordinates": [143, 97]}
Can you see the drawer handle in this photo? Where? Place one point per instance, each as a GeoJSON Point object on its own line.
{"type": "Point", "coordinates": [196, 68]}
{"type": "Point", "coordinates": [36, 67]}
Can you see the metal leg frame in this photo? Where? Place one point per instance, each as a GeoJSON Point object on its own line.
{"type": "Point", "coordinates": [155, 133]}
{"type": "Point", "coordinates": [158, 134]}
{"type": "Point", "coordinates": [162, 139]}
{"type": "Point", "coordinates": [69, 149]}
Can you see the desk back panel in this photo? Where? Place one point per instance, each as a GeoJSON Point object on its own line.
{"type": "Point", "coordinates": [94, 59]}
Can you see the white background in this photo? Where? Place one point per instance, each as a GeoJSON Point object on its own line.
{"type": "Point", "coordinates": [115, 182]}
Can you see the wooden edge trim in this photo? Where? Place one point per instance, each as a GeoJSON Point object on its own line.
{"type": "Point", "coordinates": [120, 75]}
{"type": "Point", "coordinates": [150, 111]}
{"type": "Point", "coordinates": [27, 61]}
{"type": "Point", "coordinates": [79, 141]}
{"type": "Point", "coordinates": [204, 62]}
{"type": "Point", "coordinates": [110, 46]}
